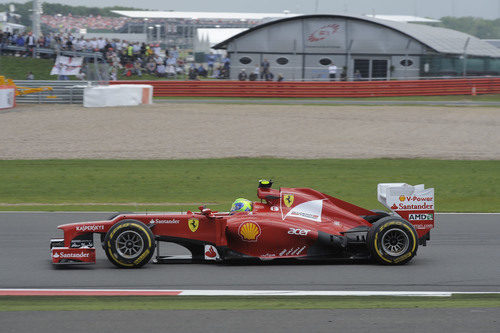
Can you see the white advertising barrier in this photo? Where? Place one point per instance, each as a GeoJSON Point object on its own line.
{"type": "Point", "coordinates": [413, 203]}
{"type": "Point", "coordinates": [7, 97]}
{"type": "Point", "coordinates": [118, 95]}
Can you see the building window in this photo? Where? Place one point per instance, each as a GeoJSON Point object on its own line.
{"type": "Point", "coordinates": [325, 61]}
{"type": "Point", "coordinates": [406, 62]}
{"type": "Point", "coordinates": [245, 60]}
{"type": "Point", "coordinates": [282, 61]}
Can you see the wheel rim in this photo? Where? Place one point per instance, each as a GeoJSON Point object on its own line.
{"type": "Point", "coordinates": [129, 244]}
{"type": "Point", "coordinates": [395, 242]}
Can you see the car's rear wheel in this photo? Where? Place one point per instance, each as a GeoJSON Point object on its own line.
{"type": "Point", "coordinates": [129, 244]}
{"type": "Point", "coordinates": [392, 241]}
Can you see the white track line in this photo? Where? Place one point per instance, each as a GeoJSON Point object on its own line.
{"type": "Point", "coordinates": [310, 293]}
{"type": "Point", "coordinates": [158, 292]}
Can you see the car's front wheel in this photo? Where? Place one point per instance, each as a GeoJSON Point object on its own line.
{"type": "Point", "coordinates": [129, 244]}
{"type": "Point", "coordinates": [392, 241]}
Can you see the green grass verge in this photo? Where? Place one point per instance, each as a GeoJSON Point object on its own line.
{"type": "Point", "coordinates": [84, 303]}
{"type": "Point", "coordinates": [461, 186]}
{"type": "Point", "coordinates": [17, 68]}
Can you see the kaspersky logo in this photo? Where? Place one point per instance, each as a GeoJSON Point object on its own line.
{"type": "Point", "coordinates": [91, 228]}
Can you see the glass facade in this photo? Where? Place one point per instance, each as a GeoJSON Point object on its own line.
{"type": "Point", "coordinates": [453, 65]}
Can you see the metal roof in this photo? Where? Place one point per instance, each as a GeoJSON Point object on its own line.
{"type": "Point", "coordinates": [200, 15]}
{"type": "Point", "coordinates": [441, 40]}
{"type": "Point", "coordinates": [403, 18]}
{"type": "Point", "coordinates": [494, 42]}
{"type": "Point", "coordinates": [217, 35]}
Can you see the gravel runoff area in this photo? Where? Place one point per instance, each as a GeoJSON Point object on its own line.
{"type": "Point", "coordinates": [177, 131]}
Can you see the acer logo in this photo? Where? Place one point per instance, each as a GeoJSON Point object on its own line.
{"type": "Point", "coordinates": [298, 232]}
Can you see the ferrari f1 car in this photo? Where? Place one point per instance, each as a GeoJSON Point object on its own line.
{"type": "Point", "coordinates": [298, 223]}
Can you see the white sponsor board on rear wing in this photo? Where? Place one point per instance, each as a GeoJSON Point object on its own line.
{"type": "Point", "coordinates": [401, 196]}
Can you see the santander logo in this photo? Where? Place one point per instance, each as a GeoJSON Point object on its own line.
{"type": "Point", "coordinates": [211, 253]}
{"type": "Point", "coordinates": [323, 32]}
{"type": "Point", "coordinates": [70, 255]}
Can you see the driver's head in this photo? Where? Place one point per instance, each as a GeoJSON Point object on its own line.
{"type": "Point", "coordinates": [241, 205]}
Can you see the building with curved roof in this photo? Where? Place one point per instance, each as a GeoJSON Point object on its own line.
{"type": "Point", "coordinates": [303, 47]}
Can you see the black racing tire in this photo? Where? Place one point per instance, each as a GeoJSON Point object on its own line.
{"type": "Point", "coordinates": [129, 244]}
{"type": "Point", "coordinates": [374, 218]}
{"type": "Point", "coordinates": [392, 241]}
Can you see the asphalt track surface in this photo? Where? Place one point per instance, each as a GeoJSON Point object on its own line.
{"type": "Point", "coordinates": [462, 255]}
{"type": "Point", "coordinates": [327, 102]}
{"type": "Point", "coordinates": [276, 321]}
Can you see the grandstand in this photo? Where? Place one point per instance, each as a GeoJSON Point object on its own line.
{"type": "Point", "coordinates": [178, 29]}
{"type": "Point", "coordinates": [68, 23]}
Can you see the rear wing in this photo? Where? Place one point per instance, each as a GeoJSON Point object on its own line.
{"type": "Point", "coordinates": [413, 203]}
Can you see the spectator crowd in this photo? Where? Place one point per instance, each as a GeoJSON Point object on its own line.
{"type": "Point", "coordinates": [124, 58]}
{"type": "Point", "coordinates": [131, 60]}
{"type": "Point", "coordinates": [69, 22]}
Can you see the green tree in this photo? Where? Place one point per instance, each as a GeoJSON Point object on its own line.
{"type": "Point", "coordinates": [481, 28]}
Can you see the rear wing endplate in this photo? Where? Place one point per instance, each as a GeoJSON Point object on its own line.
{"type": "Point", "coordinates": [414, 203]}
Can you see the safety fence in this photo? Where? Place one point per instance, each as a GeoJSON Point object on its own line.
{"type": "Point", "coordinates": [63, 92]}
{"type": "Point", "coordinates": [216, 88]}
{"type": "Point", "coordinates": [38, 51]}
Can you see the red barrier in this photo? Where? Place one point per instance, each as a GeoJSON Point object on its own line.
{"type": "Point", "coordinates": [218, 88]}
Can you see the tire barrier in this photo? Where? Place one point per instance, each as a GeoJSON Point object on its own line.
{"type": "Point", "coordinates": [216, 88]}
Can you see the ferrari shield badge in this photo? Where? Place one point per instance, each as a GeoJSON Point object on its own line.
{"type": "Point", "coordinates": [193, 224]}
{"type": "Point", "coordinates": [288, 199]}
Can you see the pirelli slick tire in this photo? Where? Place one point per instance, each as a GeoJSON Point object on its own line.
{"type": "Point", "coordinates": [392, 241]}
{"type": "Point", "coordinates": [129, 244]}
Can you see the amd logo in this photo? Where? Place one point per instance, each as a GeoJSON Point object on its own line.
{"type": "Point", "coordinates": [420, 217]}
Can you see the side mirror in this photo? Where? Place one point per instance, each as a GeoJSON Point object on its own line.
{"type": "Point", "coordinates": [206, 211]}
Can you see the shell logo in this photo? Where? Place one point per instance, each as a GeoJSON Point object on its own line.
{"type": "Point", "coordinates": [401, 198]}
{"type": "Point", "coordinates": [249, 231]}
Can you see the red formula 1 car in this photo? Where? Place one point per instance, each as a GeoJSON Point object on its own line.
{"type": "Point", "coordinates": [298, 223]}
